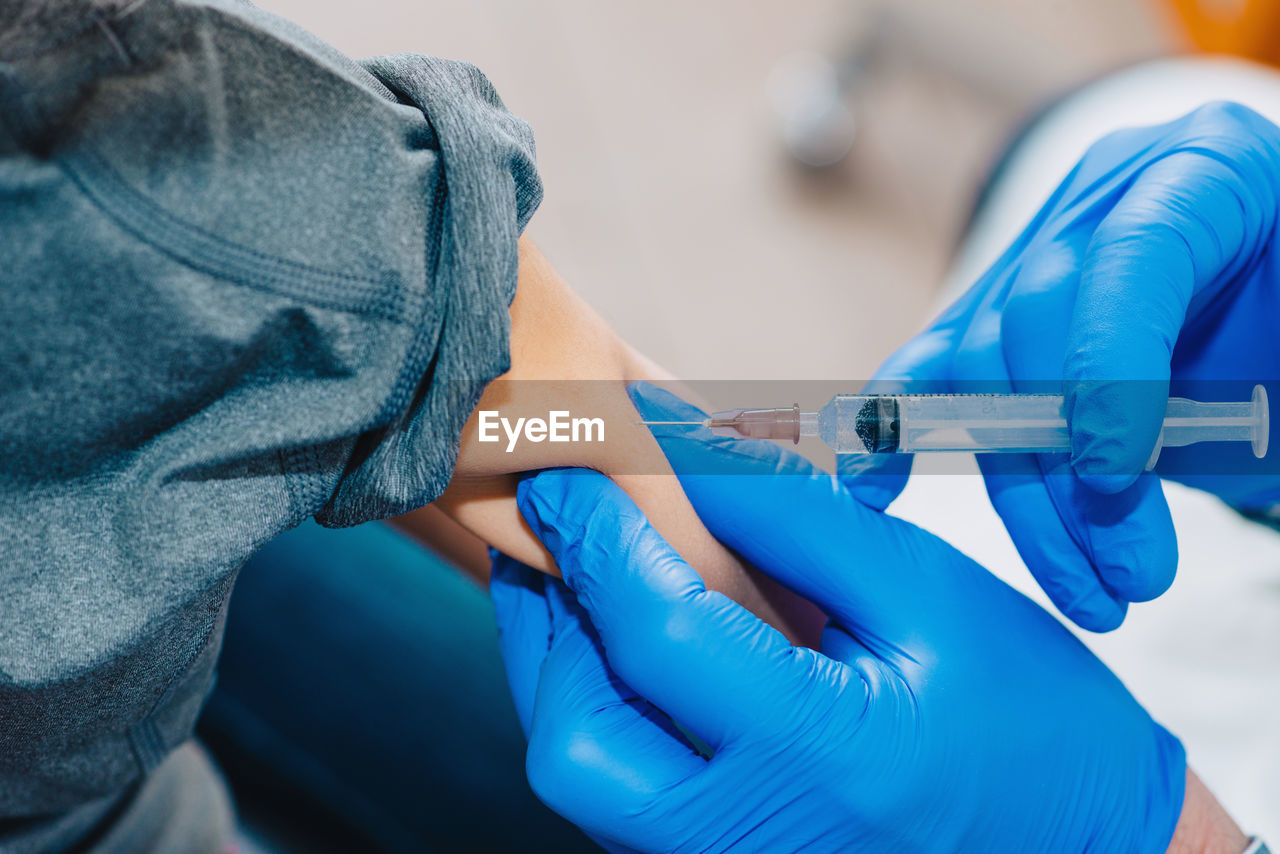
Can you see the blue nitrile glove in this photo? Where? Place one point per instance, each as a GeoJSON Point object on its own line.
{"type": "Point", "coordinates": [1154, 260]}
{"type": "Point", "coordinates": [546, 638]}
{"type": "Point", "coordinates": [946, 712]}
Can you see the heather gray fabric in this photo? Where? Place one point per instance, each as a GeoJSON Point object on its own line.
{"type": "Point", "coordinates": [182, 807]}
{"type": "Point", "coordinates": [243, 281]}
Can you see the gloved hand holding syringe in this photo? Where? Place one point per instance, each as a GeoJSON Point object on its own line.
{"type": "Point", "coordinates": [978, 423]}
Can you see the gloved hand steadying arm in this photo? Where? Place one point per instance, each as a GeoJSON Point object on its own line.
{"type": "Point", "coordinates": [1153, 261]}
{"type": "Point", "coordinates": [945, 712]}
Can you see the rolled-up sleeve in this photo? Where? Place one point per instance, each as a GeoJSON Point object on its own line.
{"type": "Point", "coordinates": [244, 280]}
{"type": "Point", "coordinates": [338, 245]}
{"type": "Point", "coordinates": [491, 190]}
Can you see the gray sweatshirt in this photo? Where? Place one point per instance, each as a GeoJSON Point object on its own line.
{"type": "Point", "coordinates": [244, 281]}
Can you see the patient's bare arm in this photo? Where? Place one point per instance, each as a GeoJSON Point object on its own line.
{"type": "Point", "coordinates": [556, 337]}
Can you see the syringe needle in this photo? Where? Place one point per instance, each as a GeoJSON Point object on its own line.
{"type": "Point", "coordinates": [666, 423]}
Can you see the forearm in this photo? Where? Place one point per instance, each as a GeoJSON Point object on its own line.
{"type": "Point", "coordinates": [563, 356]}
{"type": "Point", "coordinates": [1204, 826]}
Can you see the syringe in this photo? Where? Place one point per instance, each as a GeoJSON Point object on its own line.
{"type": "Point", "coordinates": [977, 423]}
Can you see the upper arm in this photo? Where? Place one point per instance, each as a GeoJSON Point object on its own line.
{"type": "Point", "coordinates": [565, 357]}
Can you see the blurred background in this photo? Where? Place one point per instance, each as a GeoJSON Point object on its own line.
{"type": "Point", "coordinates": [778, 190]}
{"type": "Point", "coordinates": [673, 201]}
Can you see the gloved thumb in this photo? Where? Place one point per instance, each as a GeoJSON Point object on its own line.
{"type": "Point", "coordinates": [918, 367]}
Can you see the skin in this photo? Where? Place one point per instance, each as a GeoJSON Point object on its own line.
{"type": "Point", "coordinates": [565, 357]}
{"type": "Point", "coordinates": [1204, 826]}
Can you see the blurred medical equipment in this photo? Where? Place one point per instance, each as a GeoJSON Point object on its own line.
{"type": "Point", "coordinates": [995, 49]}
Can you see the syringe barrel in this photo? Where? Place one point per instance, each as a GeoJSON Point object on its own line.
{"type": "Point", "coordinates": [982, 422]}
{"type": "Point", "coordinates": [1029, 423]}
{"type": "Point", "coordinates": [907, 423]}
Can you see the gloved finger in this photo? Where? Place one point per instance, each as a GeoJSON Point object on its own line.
{"type": "Point", "coordinates": [599, 754]}
{"type": "Point", "coordinates": [525, 618]}
{"type": "Point", "coordinates": [1015, 482]}
{"type": "Point", "coordinates": [709, 663]}
{"type": "Point", "coordinates": [921, 366]}
{"type": "Point", "coordinates": [839, 644]}
{"type": "Point", "coordinates": [1128, 535]}
{"type": "Point", "coordinates": [1016, 487]}
{"type": "Point", "coordinates": [1179, 230]}
{"type": "Point", "coordinates": [930, 364]}
{"type": "Point", "coordinates": [1126, 539]}
{"type": "Point", "coordinates": [875, 479]}
{"type": "Point", "coordinates": [753, 511]}
{"type": "Point", "coordinates": [568, 616]}
{"type": "Point", "coordinates": [524, 628]}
